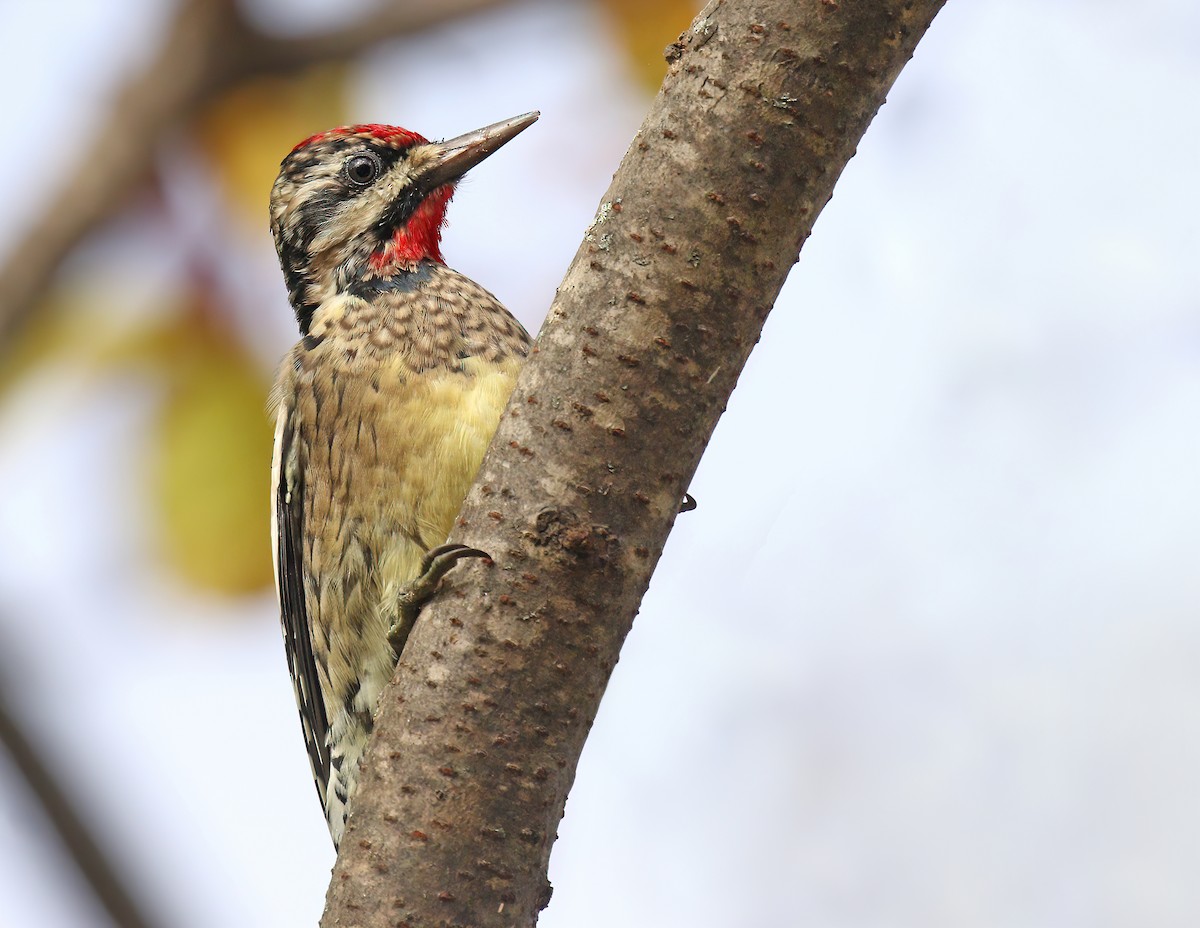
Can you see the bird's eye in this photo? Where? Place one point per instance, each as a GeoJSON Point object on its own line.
{"type": "Point", "coordinates": [362, 169]}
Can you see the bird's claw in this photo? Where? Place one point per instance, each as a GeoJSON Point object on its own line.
{"type": "Point", "coordinates": [435, 565]}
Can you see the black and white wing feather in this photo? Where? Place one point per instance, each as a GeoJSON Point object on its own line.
{"type": "Point", "coordinates": [287, 475]}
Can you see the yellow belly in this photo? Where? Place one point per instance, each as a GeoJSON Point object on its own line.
{"type": "Point", "coordinates": [432, 438]}
{"type": "Point", "coordinates": [387, 475]}
{"type": "Point", "coordinates": [387, 406]}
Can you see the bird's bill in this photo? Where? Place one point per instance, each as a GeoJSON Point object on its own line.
{"type": "Point", "coordinates": [454, 157]}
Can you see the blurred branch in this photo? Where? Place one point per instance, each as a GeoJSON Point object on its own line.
{"type": "Point", "coordinates": [77, 839]}
{"type": "Point", "coordinates": [477, 738]}
{"type": "Point", "coordinates": [208, 47]}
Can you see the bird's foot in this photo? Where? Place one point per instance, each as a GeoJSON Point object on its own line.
{"type": "Point", "coordinates": [436, 564]}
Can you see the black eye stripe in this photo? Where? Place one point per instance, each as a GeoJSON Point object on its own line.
{"type": "Point", "coordinates": [324, 167]}
{"type": "Point", "coordinates": [399, 211]}
{"type": "Point", "coordinates": [336, 153]}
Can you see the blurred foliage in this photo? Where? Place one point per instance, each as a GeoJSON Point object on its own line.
{"type": "Point", "coordinates": [210, 439]}
{"type": "Point", "coordinates": [209, 442]}
{"type": "Point", "coordinates": [52, 332]}
{"type": "Point", "coordinates": [212, 454]}
{"type": "Point", "coordinates": [249, 129]}
{"type": "Point", "coordinates": [647, 29]}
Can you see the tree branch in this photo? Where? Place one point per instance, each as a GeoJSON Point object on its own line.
{"type": "Point", "coordinates": [77, 839]}
{"type": "Point", "coordinates": [208, 47]}
{"type": "Point", "coordinates": [478, 738]}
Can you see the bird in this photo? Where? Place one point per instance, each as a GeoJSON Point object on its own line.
{"type": "Point", "coordinates": [383, 411]}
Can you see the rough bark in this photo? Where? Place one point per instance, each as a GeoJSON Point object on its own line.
{"type": "Point", "coordinates": [478, 738]}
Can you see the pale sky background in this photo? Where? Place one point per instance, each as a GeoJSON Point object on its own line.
{"type": "Point", "coordinates": [926, 655]}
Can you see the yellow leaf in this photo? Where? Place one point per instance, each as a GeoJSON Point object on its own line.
{"type": "Point", "coordinates": [210, 441]}
{"type": "Point", "coordinates": [87, 328]}
{"type": "Point", "coordinates": [647, 29]}
{"type": "Point", "coordinates": [212, 465]}
{"type": "Point", "coordinates": [251, 127]}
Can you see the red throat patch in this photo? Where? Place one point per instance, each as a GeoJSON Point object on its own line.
{"type": "Point", "coordinates": [418, 239]}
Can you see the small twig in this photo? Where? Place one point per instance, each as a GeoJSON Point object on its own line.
{"type": "Point", "coordinates": [88, 856]}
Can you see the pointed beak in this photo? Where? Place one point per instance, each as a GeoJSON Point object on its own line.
{"type": "Point", "coordinates": [454, 157]}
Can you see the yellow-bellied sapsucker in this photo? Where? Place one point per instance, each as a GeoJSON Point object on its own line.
{"type": "Point", "coordinates": [385, 408]}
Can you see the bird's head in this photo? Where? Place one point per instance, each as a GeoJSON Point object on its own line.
{"type": "Point", "coordinates": [368, 200]}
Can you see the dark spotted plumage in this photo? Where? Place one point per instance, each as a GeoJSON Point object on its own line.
{"type": "Point", "coordinates": [385, 408]}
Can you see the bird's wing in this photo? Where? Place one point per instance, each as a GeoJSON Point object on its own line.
{"type": "Point", "coordinates": [287, 517]}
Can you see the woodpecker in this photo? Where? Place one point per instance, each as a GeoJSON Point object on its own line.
{"type": "Point", "coordinates": [384, 410]}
